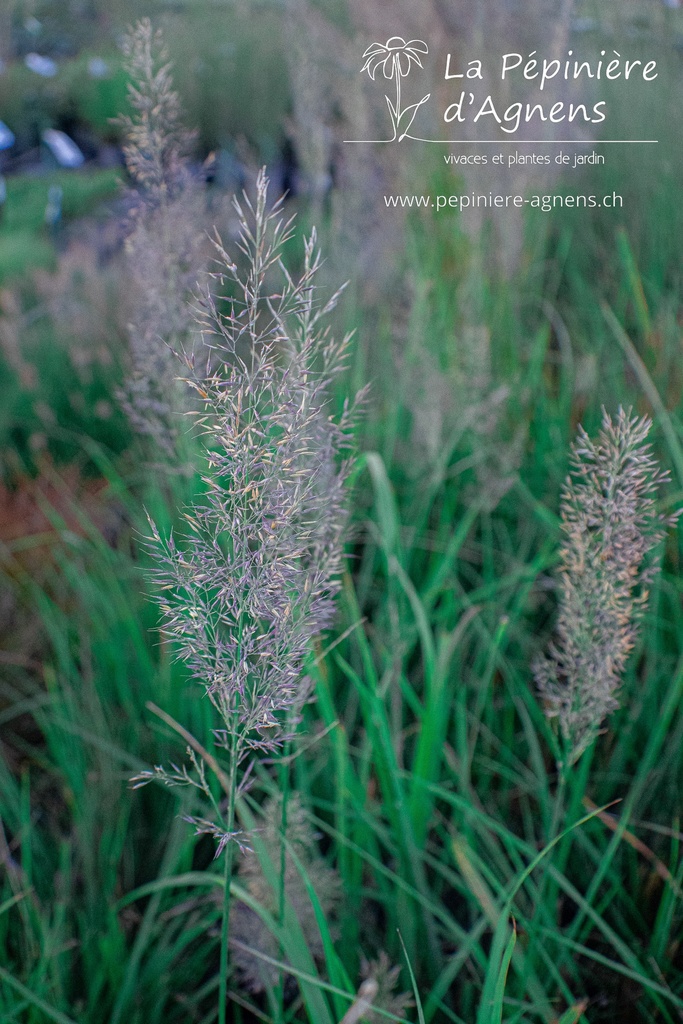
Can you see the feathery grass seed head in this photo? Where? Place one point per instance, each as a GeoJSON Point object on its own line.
{"type": "Point", "coordinates": [610, 525]}
{"type": "Point", "coordinates": [156, 141]}
{"type": "Point", "coordinates": [166, 248]}
{"type": "Point", "coordinates": [252, 581]}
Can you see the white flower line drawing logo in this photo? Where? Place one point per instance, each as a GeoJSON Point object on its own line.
{"type": "Point", "coordinates": [395, 57]}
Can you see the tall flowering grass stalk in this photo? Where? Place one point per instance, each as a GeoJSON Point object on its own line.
{"type": "Point", "coordinates": [251, 582]}
{"type": "Point", "coordinates": [166, 246]}
{"type": "Point", "coordinates": [610, 525]}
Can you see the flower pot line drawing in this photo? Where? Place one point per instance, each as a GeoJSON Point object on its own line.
{"type": "Point", "coordinates": [395, 58]}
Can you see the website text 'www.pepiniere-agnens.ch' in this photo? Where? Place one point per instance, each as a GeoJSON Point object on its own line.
{"type": "Point", "coordinates": [498, 201]}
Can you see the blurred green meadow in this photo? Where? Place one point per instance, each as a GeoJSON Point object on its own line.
{"type": "Point", "coordinates": [425, 766]}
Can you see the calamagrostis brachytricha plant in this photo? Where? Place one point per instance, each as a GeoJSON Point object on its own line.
{"type": "Point", "coordinates": [252, 582]}
{"type": "Point", "coordinates": [610, 525]}
{"type": "Point", "coordinates": [166, 247]}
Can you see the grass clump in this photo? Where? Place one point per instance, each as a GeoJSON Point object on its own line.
{"type": "Point", "coordinates": [251, 585]}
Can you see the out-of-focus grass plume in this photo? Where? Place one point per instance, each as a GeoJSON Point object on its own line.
{"type": "Point", "coordinates": [166, 247]}
{"type": "Point", "coordinates": [610, 525]}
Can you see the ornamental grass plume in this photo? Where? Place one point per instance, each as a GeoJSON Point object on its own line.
{"type": "Point", "coordinates": [377, 1000]}
{"type": "Point", "coordinates": [248, 929]}
{"type": "Point", "coordinates": [156, 142]}
{"type": "Point", "coordinates": [250, 584]}
{"type": "Point", "coordinates": [166, 247]}
{"type": "Point", "coordinates": [610, 525]}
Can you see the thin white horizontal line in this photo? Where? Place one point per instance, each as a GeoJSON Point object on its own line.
{"type": "Point", "coordinates": [511, 142]}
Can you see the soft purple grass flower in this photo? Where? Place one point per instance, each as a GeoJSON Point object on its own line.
{"type": "Point", "coordinates": [252, 581]}
{"type": "Point", "coordinates": [166, 245]}
{"type": "Point", "coordinates": [155, 140]}
{"type": "Point", "coordinates": [610, 525]}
